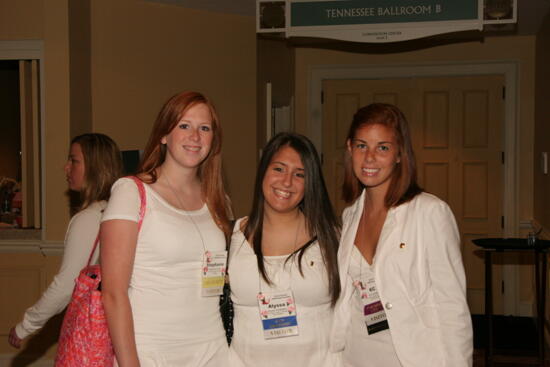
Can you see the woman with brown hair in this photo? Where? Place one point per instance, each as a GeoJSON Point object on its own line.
{"type": "Point", "coordinates": [283, 263]}
{"type": "Point", "coordinates": [404, 288]}
{"type": "Point", "coordinates": [160, 284]}
{"type": "Point", "coordinates": [94, 164]}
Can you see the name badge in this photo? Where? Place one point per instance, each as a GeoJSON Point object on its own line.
{"type": "Point", "coordinates": [278, 314]}
{"type": "Point", "coordinates": [373, 310]}
{"type": "Point", "coordinates": [213, 273]}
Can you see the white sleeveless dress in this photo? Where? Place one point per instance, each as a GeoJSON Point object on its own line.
{"type": "Point", "coordinates": [312, 298]}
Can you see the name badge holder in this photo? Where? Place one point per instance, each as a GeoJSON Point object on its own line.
{"type": "Point", "coordinates": [214, 267]}
{"type": "Point", "coordinates": [278, 314]}
{"type": "Point", "coordinates": [278, 309]}
{"type": "Point", "coordinates": [373, 310]}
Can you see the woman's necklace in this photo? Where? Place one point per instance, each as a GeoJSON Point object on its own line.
{"type": "Point", "coordinates": [214, 263]}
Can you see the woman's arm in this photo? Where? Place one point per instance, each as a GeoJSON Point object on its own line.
{"type": "Point", "coordinates": [118, 247]}
{"type": "Point", "coordinates": [79, 240]}
{"type": "Point", "coordinates": [448, 284]}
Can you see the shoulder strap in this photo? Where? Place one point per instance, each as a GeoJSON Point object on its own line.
{"type": "Point", "coordinates": [142, 207]}
{"type": "Point", "coordinates": [142, 199]}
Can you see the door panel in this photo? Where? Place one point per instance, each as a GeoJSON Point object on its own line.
{"type": "Point", "coordinates": [456, 128]}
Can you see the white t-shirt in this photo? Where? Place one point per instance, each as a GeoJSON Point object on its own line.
{"type": "Point", "coordinates": [173, 323]}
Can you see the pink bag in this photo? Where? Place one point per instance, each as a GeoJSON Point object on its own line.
{"type": "Point", "coordinates": [85, 339]}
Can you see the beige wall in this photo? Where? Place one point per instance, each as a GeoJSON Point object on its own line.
{"type": "Point", "coordinates": [517, 49]}
{"type": "Point", "coordinates": [57, 116]}
{"type": "Point", "coordinates": [275, 60]}
{"type": "Point", "coordinates": [542, 127]}
{"type": "Point", "coordinates": [30, 19]}
{"type": "Point", "coordinates": [138, 54]}
{"type": "Point", "coordinates": [21, 19]}
{"type": "Point", "coordinates": [542, 141]}
{"type": "Point", "coordinates": [143, 52]}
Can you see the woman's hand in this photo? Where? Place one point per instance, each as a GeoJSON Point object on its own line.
{"type": "Point", "coordinates": [13, 339]}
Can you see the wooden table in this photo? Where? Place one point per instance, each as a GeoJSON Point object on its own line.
{"type": "Point", "coordinates": [540, 250]}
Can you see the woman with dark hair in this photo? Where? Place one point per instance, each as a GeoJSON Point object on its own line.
{"type": "Point", "coordinates": [283, 262]}
{"type": "Point", "coordinates": [404, 289]}
{"type": "Point", "coordinates": [160, 284]}
{"type": "Point", "coordinates": [94, 164]}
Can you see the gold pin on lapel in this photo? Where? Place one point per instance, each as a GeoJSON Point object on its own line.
{"type": "Point", "coordinates": [402, 245]}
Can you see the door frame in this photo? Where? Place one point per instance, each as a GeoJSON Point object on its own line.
{"type": "Point", "coordinates": [508, 69]}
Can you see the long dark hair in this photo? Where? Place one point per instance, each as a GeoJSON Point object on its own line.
{"type": "Point", "coordinates": [316, 207]}
{"type": "Point", "coordinates": [210, 170]}
{"type": "Point", "coordinates": [102, 167]}
{"type": "Point", "coordinates": [403, 185]}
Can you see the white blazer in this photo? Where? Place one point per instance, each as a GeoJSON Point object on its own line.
{"type": "Point", "coordinates": [420, 280]}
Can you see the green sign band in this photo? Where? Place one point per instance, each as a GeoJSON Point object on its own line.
{"type": "Point", "coordinates": [348, 12]}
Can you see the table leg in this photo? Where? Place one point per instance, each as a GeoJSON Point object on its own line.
{"type": "Point", "coordinates": [540, 276]}
{"type": "Point", "coordinates": [489, 308]}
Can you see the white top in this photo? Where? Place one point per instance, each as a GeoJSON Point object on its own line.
{"type": "Point", "coordinates": [376, 348]}
{"type": "Point", "coordinates": [79, 240]}
{"type": "Point", "coordinates": [420, 280]}
{"type": "Point", "coordinates": [312, 298]}
{"type": "Point", "coordinates": [174, 325]}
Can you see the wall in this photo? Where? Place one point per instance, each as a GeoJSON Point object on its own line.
{"type": "Point", "coordinates": [22, 19]}
{"type": "Point", "coordinates": [109, 66]}
{"type": "Point", "coordinates": [542, 129]}
{"type": "Point", "coordinates": [143, 53]}
{"type": "Point", "coordinates": [275, 60]}
{"type": "Point", "coordinates": [541, 192]}
{"type": "Point", "coordinates": [25, 270]}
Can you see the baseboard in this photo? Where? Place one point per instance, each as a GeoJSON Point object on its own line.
{"type": "Point", "coordinates": [6, 360]}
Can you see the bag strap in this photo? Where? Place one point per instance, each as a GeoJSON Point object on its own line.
{"type": "Point", "coordinates": [142, 207]}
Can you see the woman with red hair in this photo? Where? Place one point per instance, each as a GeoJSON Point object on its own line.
{"type": "Point", "coordinates": [404, 290]}
{"type": "Point", "coordinates": [161, 283]}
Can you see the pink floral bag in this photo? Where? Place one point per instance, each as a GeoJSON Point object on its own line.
{"type": "Point", "coordinates": [84, 340]}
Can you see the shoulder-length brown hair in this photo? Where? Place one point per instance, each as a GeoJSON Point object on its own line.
{"type": "Point", "coordinates": [210, 170]}
{"type": "Point", "coordinates": [403, 186]}
{"type": "Point", "coordinates": [102, 167]}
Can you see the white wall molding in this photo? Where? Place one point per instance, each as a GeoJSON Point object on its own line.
{"type": "Point", "coordinates": [21, 50]}
{"type": "Point", "coordinates": [32, 246]}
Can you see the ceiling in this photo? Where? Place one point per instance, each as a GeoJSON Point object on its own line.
{"type": "Point", "coordinates": [530, 12]}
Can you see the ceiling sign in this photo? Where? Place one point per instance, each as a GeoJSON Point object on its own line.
{"type": "Point", "coordinates": [379, 20]}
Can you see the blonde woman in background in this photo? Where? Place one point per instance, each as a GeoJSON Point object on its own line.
{"type": "Point", "coordinates": [94, 164]}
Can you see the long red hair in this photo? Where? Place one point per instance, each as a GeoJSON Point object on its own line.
{"type": "Point", "coordinates": [210, 170]}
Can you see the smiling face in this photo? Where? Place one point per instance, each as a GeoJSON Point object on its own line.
{"type": "Point", "coordinates": [74, 168]}
{"type": "Point", "coordinates": [283, 183]}
{"type": "Point", "coordinates": [374, 154]}
{"type": "Point", "coordinates": [189, 142]}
